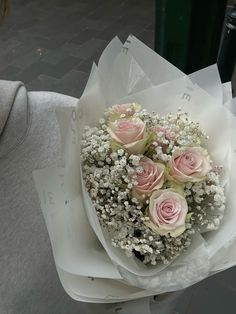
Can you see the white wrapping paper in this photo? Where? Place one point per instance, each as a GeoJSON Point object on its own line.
{"type": "Point", "coordinates": [172, 95]}
{"type": "Point", "coordinates": [86, 272]}
{"type": "Point", "coordinates": [133, 72]}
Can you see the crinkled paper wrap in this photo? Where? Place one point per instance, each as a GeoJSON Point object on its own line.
{"type": "Point", "coordinates": [134, 73]}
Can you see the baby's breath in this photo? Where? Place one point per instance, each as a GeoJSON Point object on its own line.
{"type": "Point", "coordinates": [110, 176]}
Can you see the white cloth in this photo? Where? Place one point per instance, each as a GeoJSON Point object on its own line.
{"type": "Point", "coordinates": [30, 139]}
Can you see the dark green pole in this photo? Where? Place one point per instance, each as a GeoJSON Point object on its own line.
{"type": "Point", "coordinates": [173, 19]}
{"type": "Point", "coordinates": [206, 28]}
{"type": "Point", "coordinates": [188, 32]}
{"type": "Point", "coordinates": [227, 53]}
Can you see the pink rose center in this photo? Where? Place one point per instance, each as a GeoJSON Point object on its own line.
{"type": "Point", "coordinates": [128, 131]}
{"type": "Point", "coordinates": [189, 163]}
{"type": "Point", "coordinates": [167, 211]}
{"type": "Point", "coordinates": [149, 174]}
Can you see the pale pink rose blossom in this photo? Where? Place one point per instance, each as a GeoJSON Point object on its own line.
{"type": "Point", "coordinates": [167, 212]}
{"type": "Point", "coordinates": [168, 134]}
{"type": "Point", "coordinates": [128, 110]}
{"type": "Point", "coordinates": [189, 164]}
{"type": "Point", "coordinates": [129, 133]}
{"type": "Point", "coordinates": [151, 178]}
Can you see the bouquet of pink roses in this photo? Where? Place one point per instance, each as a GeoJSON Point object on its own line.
{"type": "Point", "coordinates": [145, 201]}
{"type": "Point", "coordinates": [151, 180]}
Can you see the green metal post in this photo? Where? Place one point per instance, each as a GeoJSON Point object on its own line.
{"type": "Point", "coordinates": [188, 32]}
{"type": "Point", "coordinates": [173, 19]}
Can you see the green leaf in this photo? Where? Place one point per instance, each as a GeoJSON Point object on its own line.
{"type": "Point", "coordinates": [115, 146]}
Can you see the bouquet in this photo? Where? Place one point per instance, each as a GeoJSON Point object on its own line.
{"type": "Point", "coordinates": [144, 203]}
{"type": "Point", "coordinates": [151, 180]}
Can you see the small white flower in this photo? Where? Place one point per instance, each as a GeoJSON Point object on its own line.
{"type": "Point", "coordinates": [102, 121]}
{"type": "Point", "coordinates": [120, 152]}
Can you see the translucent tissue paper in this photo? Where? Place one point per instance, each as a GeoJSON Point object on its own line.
{"type": "Point", "coordinates": [85, 270]}
{"type": "Point", "coordinates": [134, 73]}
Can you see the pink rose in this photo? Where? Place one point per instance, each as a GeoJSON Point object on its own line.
{"type": "Point", "coordinates": [189, 164]}
{"type": "Point", "coordinates": [162, 136]}
{"type": "Point", "coordinates": [129, 133]}
{"type": "Point", "coordinates": [151, 178]}
{"type": "Point", "coordinates": [127, 110]}
{"type": "Point", "coordinates": [168, 134]}
{"type": "Point", "coordinates": [167, 212]}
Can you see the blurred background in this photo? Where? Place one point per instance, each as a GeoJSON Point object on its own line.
{"type": "Point", "coordinates": [50, 45]}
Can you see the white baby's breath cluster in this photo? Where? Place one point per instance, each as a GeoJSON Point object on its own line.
{"type": "Point", "coordinates": [182, 131]}
{"type": "Point", "coordinates": [206, 200]}
{"type": "Point", "coordinates": [134, 169]}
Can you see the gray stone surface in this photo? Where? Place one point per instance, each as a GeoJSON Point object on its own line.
{"type": "Point", "coordinates": [50, 45]}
